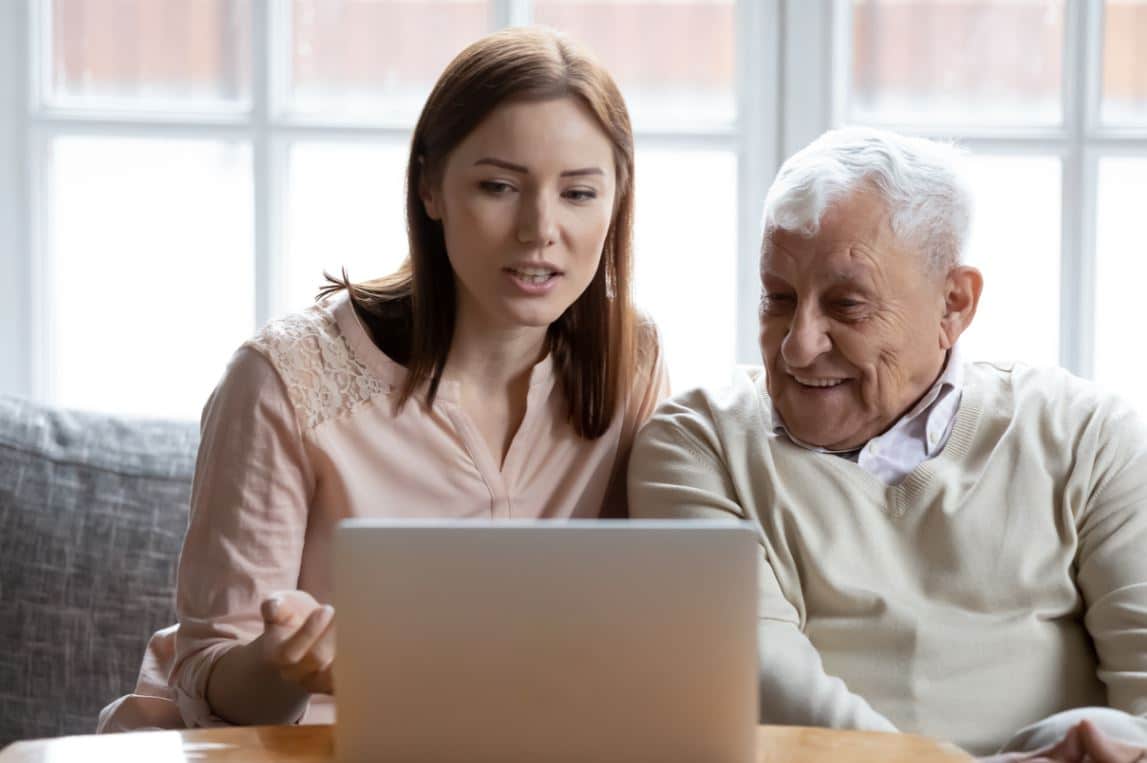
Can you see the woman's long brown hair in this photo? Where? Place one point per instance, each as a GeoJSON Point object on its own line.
{"type": "Point", "coordinates": [411, 313]}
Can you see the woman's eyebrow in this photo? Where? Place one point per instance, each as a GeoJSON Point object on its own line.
{"type": "Point", "coordinates": [503, 164]}
{"type": "Point", "coordinates": [583, 171]}
{"type": "Point", "coordinates": [525, 170]}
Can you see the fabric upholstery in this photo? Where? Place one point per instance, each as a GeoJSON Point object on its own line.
{"type": "Point", "coordinates": [93, 509]}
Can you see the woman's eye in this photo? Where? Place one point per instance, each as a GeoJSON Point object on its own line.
{"type": "Point", "coordinates": [496, 187]}
{"type": "Point", "coordinates": [580, 194]}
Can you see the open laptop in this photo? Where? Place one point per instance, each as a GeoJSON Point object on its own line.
{"type": "Point", "coordinates": [602, 640]}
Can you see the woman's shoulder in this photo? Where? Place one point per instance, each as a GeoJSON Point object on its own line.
{"type": "Point", "coordinates": [299, 339]}
{"type": "Point", "coordinates": [312, 354]}
{"type": "Point", "coordinates": [647, 345]}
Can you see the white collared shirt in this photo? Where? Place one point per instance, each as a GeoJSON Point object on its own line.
{"type": "Point", "coordinates": [917, 436]}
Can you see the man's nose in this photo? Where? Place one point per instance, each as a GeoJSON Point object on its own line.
{"type": "Point", "coordinates": [537, 222]}
{"type": "Point", "coordinates": [807, 338]}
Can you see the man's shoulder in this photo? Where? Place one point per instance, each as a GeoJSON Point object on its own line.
{"type": "Point", "coordinates": [740, 399]}
{"type": "Point", "coordinates": [714, 412]}
{"type": "Point", "coordinates": [1020, 390]}
{"type": "Point", "coordinates": [713, 425]}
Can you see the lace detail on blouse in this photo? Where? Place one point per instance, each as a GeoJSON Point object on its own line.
{"type": "Point", "coordinates": [324, 379]}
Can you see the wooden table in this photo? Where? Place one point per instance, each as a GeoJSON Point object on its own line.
{"type": "Point", "coordinates": [314, 744]}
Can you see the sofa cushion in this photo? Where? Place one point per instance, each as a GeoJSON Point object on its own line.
{"type": "Point", "coordinates": [93, 510]}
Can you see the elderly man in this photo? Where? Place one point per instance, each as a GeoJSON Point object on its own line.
{"type": "Point", "coordinates": [949, 548]}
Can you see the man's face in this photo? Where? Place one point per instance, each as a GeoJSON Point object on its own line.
{"type": "Point", "coordinates": [851, 325]}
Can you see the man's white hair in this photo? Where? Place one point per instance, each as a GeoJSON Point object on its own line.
{"type": "Point", "coordinates": [929, 201]}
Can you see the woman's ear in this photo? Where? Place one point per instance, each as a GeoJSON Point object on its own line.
{"type": "Point", "coordinates": [962, 288]}
{"type": "Point", "coordinates": [431, 197]}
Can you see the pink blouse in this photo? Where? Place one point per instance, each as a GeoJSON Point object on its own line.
{"type": "Point", "coordinates": [301, 433]}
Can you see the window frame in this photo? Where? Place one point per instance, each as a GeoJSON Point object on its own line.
{"type": "Point", "coordinates": [16, 289]}
{"type": "Point", "coordinates": [1080, 142]}
{"type": "Point", "coordinates": [27, 365]}
{"type": "Point", "coordinates": [784, 48]}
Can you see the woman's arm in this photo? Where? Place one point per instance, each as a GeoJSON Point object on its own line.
{"type": "Point", "coordinates": [269, 680]}
{"type": "Point", "coordinates": [249, 506]}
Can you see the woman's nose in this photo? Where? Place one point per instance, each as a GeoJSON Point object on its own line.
{"type": "Point", "coordinates": [537, 222]}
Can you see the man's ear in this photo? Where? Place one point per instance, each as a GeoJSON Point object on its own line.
{"type": "Point", "coordinates": [962, 288]}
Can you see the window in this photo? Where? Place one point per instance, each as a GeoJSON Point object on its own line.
{"type": "Point", "coordinates": [192, 168]}
{"type": "Point", "coordinates": [1050, 96]}
{"type": "Point", "coordinates": [201, 163]}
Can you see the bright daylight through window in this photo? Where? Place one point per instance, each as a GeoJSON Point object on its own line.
{"type": "Point", "coordinates": [205, 162]}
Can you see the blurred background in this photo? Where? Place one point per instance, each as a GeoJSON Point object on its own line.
{"type": "Point", "coordinates": [175, 173]}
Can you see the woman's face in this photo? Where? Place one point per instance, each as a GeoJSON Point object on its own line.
{"type": "Point", "coordinates": [525, 201]}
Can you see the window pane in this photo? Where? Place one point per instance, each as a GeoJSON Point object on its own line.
{"type": "Point", "coordinates": [686, 266]}
{"type": "Point", "coordinates": [346, 208]}
{"type": "Point", "coordinates": [376, 60]}
{"type": "Point", "coordinates": [980, 62]}
{"type": "Point", "coordinates": [150, 286]}
{"type": "Point", "coordinates": [673, 59]}
{"type": "Point", "coordinates": [1125, 62]}
{"type": "Point", "coordinates": [1015, 243]}
{"type": "Point", "coordinates": [151, 54]}
{"type": "Point", "coordinates": [1121, 271]}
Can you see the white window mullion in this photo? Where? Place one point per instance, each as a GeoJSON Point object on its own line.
{"type": "Point", "coordinates": [840, 67]}
{"type": "Point", "coordinates": [807, 72]}
{"type": "Point", "coordinates": [269, 16]}
{"type": "Point", "coordinates": [758, 125]}
{"type": "Point", "coordinates": [16, 257]}
{"type": "Point", "coordinates": [1077, 281]}
{"type": "Point", "coordinates": [504, 13]}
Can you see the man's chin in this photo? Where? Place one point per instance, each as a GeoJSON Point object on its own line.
{"type": "Point", "coordinates": [816, 434]}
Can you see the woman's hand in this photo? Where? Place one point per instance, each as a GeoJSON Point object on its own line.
{"type": "Point", "coordinates": [299, 639]}
{"type": "Point", "coordinates": [1083, 743]}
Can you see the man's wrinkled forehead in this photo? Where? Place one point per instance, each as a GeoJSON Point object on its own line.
{"type": "Point", "coordinates": [851, 237]}
{"type": "Point", "coordinates": [832, 260]}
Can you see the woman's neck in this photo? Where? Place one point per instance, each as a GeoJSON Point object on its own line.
{"type": "Point", "coordinates": [492, 359]}
{"type": "Point", "coordinates": [493, 366]}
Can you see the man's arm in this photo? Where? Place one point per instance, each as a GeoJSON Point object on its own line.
{"type": "Point", "coordinates": [676, 471]}
{"type": "Point", "coordinates": [1111, 564]}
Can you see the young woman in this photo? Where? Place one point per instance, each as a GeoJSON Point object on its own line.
{"type": "Point", "coordinates": [501, 372]}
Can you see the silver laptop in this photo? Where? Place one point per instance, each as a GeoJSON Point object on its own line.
{"type": "Point", "coordinates": [545, 641]}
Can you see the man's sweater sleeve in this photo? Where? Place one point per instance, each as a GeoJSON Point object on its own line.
{"type": "Point", "coordinates": [1109, 498]}
{"type": "Point", "coordinates": [1112, 558]}
{"type": "Point", "coordinates": [676, 471]}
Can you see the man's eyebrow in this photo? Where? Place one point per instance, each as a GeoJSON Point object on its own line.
{"type": "Point", "coordinates": [525, 171]}
{"type": "Point", "coordinates": [854, 281]}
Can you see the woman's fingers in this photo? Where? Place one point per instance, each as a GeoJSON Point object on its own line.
{"type": "Point", "coordinates": [298, 638]}
{"type": "Point", "coordinates": [317, 660]}
{"type": "Point", "coordinates": [296, 647]}
{"type": "Point", "coordinates": [287, 607]}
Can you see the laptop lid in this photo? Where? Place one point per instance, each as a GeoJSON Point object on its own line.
{"type": "Point", "coordinates": [591, 640]}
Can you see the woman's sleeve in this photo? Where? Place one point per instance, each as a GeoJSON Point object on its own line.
{"type": "Point", "coordinates": [249, 503]}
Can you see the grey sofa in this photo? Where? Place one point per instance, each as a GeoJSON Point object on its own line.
{"type": "Point", "coordinates": [92, 514]}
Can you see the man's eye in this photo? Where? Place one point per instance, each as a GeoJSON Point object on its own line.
{"type": "Point", "coordinates": [496, 187]}
{"type": "Point", "coordinates": [773, 301]}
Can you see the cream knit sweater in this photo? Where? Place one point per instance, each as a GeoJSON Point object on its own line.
{"type": "Point", "coordinates": [1001, 582]}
